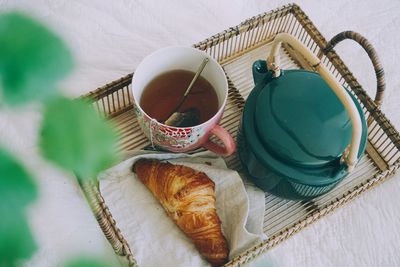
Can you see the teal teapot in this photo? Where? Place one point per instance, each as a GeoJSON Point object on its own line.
{"type": "Point", "coordinates": [301, 132]}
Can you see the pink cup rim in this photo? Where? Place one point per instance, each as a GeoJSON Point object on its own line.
{"type": "Point", "coordinates": [221, 71]}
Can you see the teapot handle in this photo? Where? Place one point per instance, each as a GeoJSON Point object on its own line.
{"type": "Point", "coordinates": [372, 54]}
{"type": "Point", "coordinates": [273, 61]}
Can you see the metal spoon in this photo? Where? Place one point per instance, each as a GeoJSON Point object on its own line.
{"type": "Point", "coordinates": [191, 116]}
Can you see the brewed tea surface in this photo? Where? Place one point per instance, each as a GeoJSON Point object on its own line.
{"type": "Point", "coordinates": [161, 96]}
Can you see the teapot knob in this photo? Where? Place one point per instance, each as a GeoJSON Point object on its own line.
{"type": "Point", "coordinates": [261, 72]}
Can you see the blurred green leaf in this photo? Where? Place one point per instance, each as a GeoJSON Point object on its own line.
{"type": "Point", "coordinates": [76, 138]}
{"type": "Point", "coordinates": [17, 189]}
{"type": "Point", "coordinates": [16, 240]}
{"type": "Point", "coordinates": [86, 262]}
{"type": "Point", "coordinates": [32, 59]}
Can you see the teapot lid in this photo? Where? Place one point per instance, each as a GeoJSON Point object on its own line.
{"type": "Point", "coordinates": [301, 121]}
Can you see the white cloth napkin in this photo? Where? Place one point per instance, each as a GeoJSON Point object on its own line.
{"type": "Point", "coordinates": [153, 237]}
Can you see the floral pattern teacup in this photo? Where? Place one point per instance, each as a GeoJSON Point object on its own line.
{"type": "Point", "coordinates": [183, 139]}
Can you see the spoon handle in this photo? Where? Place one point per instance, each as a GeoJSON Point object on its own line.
{"type": "Point", "coordinates": [198, 72]}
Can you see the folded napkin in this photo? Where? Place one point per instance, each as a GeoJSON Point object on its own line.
{"type": "Point", "coordinates": [154, 238]}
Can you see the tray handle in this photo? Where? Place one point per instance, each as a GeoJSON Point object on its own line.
{"type": "Point", "coordinates": [372, 54]}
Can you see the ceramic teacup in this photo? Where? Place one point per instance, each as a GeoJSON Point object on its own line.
{"type": "Point", "coordinates": [182, 139]}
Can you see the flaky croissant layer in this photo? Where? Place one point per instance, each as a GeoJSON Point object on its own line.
{"type": "Point", "coordinates": [188, 197]}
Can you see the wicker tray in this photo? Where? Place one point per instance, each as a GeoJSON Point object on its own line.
{"type": "Point", "coordinates": [236, 49]}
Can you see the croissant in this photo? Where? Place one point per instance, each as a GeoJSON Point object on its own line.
{"type": "Point", "coordinates": [188, 197]}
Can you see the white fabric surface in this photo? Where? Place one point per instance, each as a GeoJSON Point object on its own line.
{"type": "Point", "coordinates": [148, 229]}
{"type": "Point", "coordinates": [110, 38]}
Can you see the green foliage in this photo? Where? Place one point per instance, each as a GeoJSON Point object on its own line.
{"type": "Point", "coordinates": [16, 185]}
{"type": "Point", "coordinates": [86, 262]}
{"type": "Point", "coordinates": [76, 138]}
{"type": "Point", "coordinates": [17, 190]}
{"type": "Point", "coordinates": [17, 242]}
{"type": "Point", "coordinates": [32, 59]}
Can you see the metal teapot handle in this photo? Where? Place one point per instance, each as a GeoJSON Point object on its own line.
{"type": "Point", "coordinates": [273, 61]}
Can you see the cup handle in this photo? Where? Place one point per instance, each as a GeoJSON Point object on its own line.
{"type": "Point", "coordinates": [229, 145]}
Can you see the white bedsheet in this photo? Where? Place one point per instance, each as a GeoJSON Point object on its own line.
{"type": "Point", "coordinates": [109, 38]}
